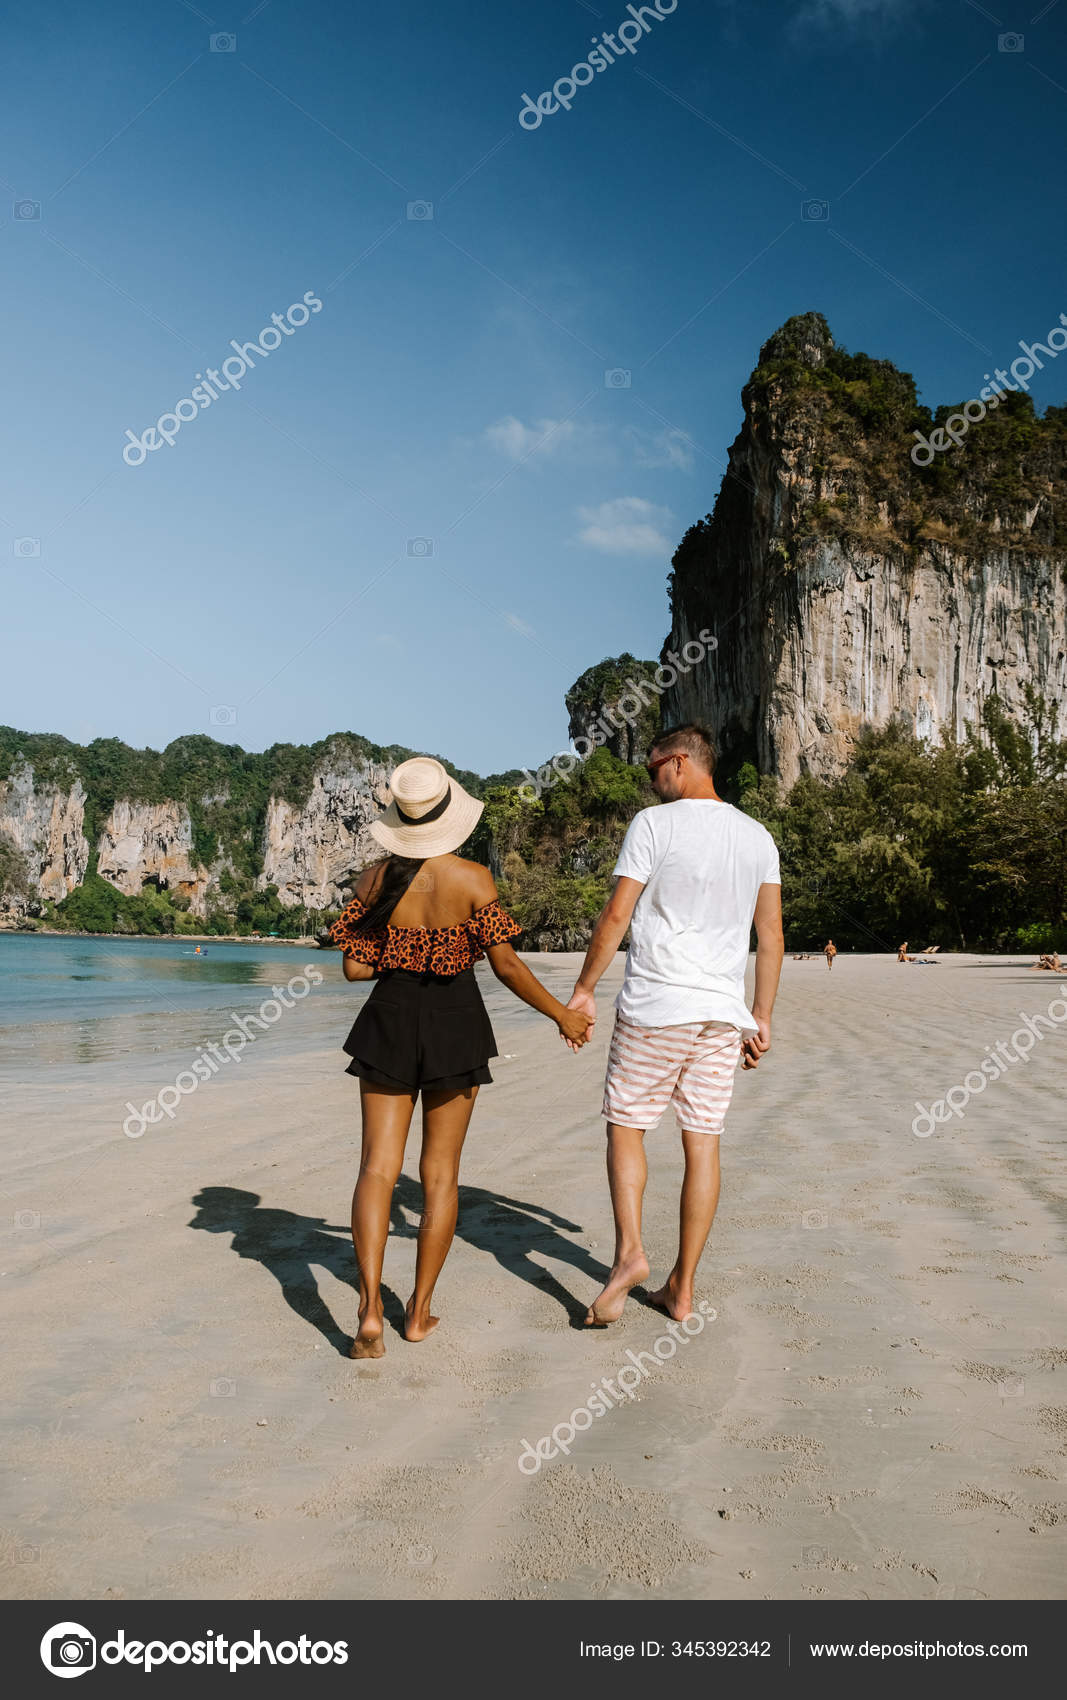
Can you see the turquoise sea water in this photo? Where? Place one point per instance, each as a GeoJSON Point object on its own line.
{"type": "Point", "coordinates": [70, 1002]}
{"type": "Point", "coordinates": [67, 1004]}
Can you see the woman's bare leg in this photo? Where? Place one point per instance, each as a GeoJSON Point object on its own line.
{"type": "Point", "coordinates": [445, 1119]}
{"type": "Point", "coordinates": [386, 1119]}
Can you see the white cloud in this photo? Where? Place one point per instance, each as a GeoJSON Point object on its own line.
{"type": "Point", "coordinates": [627, 526]}
{"type": "Point", "coordinates": [662, 448]}
{"type": "Point", "coordinates": [510, 437]}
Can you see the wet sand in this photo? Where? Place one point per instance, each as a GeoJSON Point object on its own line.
{"type": "Point", "coordinates": [878, 1408]}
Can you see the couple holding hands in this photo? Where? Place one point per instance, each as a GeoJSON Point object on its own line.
{"type": "Point", "coordinates": [692, 877]}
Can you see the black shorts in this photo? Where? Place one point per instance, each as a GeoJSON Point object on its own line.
{"type": "Point", "coordinates": [422, 1032]}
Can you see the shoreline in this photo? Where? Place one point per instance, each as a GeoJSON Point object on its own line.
{"type": "Point", "coordinates": [161, 938]}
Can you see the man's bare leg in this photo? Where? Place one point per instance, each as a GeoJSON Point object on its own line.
{"type": "Point", "coordinates": [627, 1174]}
{"type": "Point", "coordinates": [700, 1198]}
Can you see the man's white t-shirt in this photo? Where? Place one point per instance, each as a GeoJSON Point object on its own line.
{"type": "Point", "coordinates": [702, 863]}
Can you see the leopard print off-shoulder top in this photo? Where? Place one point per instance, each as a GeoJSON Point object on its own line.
{"type": "Point", "coordinates": [425, 950]}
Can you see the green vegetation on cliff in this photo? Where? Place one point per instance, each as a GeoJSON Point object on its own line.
{"type": "Point", "coordinates": [226, 791]}
{"type": "Point", "coordinates": [1004, 485]}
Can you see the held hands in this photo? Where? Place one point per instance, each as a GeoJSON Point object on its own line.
{"type": "Point", "coordinates": [575, 1028]}
{"type": "Point", "coordinates": [755, 1045]}
{"type": "Point", "coordinates": [582, 1008]}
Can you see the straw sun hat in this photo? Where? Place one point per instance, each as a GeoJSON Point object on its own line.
{"type": "Point", "coordinates": [429, 815]}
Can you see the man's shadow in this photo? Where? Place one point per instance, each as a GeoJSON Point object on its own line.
{"type": "Point", "coordinates": [288, 1245]}
{"type": "Point", "coordinates": [510, 1230]}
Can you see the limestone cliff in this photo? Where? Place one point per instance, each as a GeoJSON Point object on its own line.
{"type": "Point", "coordinates": [224, 836]}
{"type": "Point", "coordinates": [848, 586]}
{"type": "Point", "coordinates": [152, 844]}
{"type": "Point", "coordinates": [614, 705]}
{"type": "Point", "coordinates": [42, 830]}
{"type": "Point", "coordinates": [310, 850]}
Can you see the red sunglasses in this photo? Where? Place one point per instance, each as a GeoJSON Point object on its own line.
{"type": "Point", "coordinates": [651, 766]}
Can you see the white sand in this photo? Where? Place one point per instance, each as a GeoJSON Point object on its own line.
{"type": "Point", "coordinates": [878, 1411]}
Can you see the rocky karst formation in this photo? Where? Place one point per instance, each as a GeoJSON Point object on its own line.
{"type": "Point", "coordinates": [311, 849]}
{"type": "Point", "coordinates": [152, 844]}
{"type": "Point", "coordinates": [847, 586]}
{"type": "Point", "coordinates": [294, 820]}
{"type": "Point", "coordinates": [41, 828]}
{"type": "Point", "coordinates": [612, 705]}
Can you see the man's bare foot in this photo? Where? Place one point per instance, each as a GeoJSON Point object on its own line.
{"type": "Point", "coordinates": [675, 1300]}
{"type": "Point", "coordinates": [417, 1327]}
{"type": "Point", "coordinates": [610, 1302]}
{"type": "Point", "coordinates": [370, 1340]}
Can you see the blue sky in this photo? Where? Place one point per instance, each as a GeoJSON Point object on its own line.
{"type": "Point", "coordinates": [428, 510]}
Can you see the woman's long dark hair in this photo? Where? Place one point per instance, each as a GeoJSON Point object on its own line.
{"type": "Point", "coordinates": [399, 871]}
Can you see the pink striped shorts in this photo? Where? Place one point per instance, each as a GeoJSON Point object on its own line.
{"type": "Point", "coordinates": [691, 1067]}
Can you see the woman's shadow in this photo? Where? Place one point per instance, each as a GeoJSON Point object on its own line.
{"type": "Point", "coordinates": [288, 1245]}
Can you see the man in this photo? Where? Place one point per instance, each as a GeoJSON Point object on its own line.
{"type": "Point", "coordinates": [830, 951]}
{"type": "Point", "coordinates": [692, 875]}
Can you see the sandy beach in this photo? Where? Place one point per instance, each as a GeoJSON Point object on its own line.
{"type": "Point", "coordinates": [876, 1410]}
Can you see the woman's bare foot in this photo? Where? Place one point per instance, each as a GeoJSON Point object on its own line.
{"type": "Point", "coordinates": [417, 1327]}
{"type": "Point", "coordinates": [610, 1303]}
{"type": "Point", "coordinates": [370, 1340]}
{"type": "Point", "coordinates": [676, 1300]}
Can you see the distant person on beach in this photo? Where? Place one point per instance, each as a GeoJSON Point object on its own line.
{"type": "Point", "coordinates": [418, 923]}
{"type": "Point", "coordinates": [829, 951]}
{"type": "Point", "coordinates": [691, 875]}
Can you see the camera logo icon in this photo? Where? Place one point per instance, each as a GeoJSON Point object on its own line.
{"type": "Point", "coordinates": [1010, 43]}
{"type": "Point", "coordinates": [223, 714]}
{"type": "Point", "coordinates": [617, 378]}
{"type": "Point", "coordinates": [814, 1219]}
{"type": "Point", "coordinates": [815, 212]}
{"type": "Point", "coordinates": [27, 1220]}
{"type": "Point", "coordinates": [223, 43]}
{"type": "Point", "coordinates": [420, 210]}
{"type": "Point", "coordinates": [25, 547]}
{"type": "Point", "coordinates": [68, 1649]}
{"type": "Point", "coordinates": [224, 1387]}
{"type": "Point", "coordinates": [419, 548]}
{"type": "Point", "coordinates": [27, 209]}
{"type": "Point", "coordinates": [1012, 1387]}
{"type": "Point", "coordinates": [813, 1556]}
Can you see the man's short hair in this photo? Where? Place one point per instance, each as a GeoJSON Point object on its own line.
{"type": "Point", "coordinates": [693, 739]}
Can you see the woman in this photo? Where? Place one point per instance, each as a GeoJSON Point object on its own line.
{"type": "Point", "coordinates": [418, 923]}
